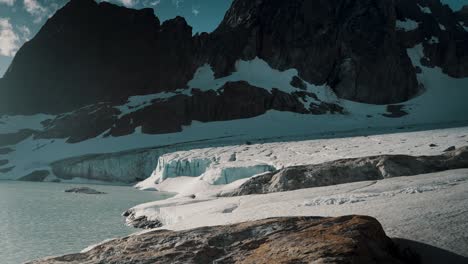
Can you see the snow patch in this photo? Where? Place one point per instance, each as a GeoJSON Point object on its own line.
{"type": "Point", "coordinates": [442, 27]}
{"type": "Point", "coordinates": [139, 102]}
{"type": "Point", "coordinates": [433, 40]}
{"type": "Point", "coordinates": [425, 9]}
{"type": "Point", "coordinates": [407, 25]}
{"type": "Point", "coordinates": [258, 73]}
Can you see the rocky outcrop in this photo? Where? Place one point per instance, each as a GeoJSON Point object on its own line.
{"type": "Point", "coordinates": [350, 45]}
{"type": "Point", "coordinates": [351, 170]}
{"type": "Point", "coordinates": [13, 138]}
{"type": "Point", "coordinates": [35, 176]}
{"type": "Point", "coordinates": [462, 15]}
{"type": "Point", "coordinates": [83, 190]}
{"type": "Point", "coordinates": [348, 239]}
{"type": "Point", "coordinates": [445, 41]}
{"type": "Point", "coordinates": [235, 100]}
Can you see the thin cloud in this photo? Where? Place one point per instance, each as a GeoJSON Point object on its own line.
{"type": "Point", "coordinates": [35, 8]}
{"type": "Point", "coordinates": [155, 3]}
{"type": "Point", "coordinates": [25, 32]}
{"type": "Point", "coordinates": [195, 11]}
{"type": "Point", "coordinates": [7, 2]}
{"type": "Point", "coordinates": [129, 3]}
{"type": "Point", "coordinates": [177, 2]}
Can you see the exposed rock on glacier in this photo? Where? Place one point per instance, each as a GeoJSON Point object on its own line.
{"type": "Point", "coordinates": [354, 239]}
{"type": "Point", "coordinates": [352, 170]}
{"type": "Point", "coordinates": [36, 176]}
{"type": "Point", "coordinates": [84, 190]}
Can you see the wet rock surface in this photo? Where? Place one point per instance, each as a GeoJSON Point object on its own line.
{"type": "Point", "coordinates": [348, 239]}
{"type": "Point", "coordinates": [351, 170]}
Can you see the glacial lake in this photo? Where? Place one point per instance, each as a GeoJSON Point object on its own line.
{"type": "Point", "coordinates": [40, 219]}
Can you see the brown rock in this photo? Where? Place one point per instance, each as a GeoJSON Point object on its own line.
{"type": "Point", "coordinates": [348, 239]}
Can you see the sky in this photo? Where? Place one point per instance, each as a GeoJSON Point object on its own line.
{"type": "Point", "coordinates": [20, 20]}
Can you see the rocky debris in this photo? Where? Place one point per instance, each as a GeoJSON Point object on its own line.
{"type": "Point", "coordinates": [84, 190]}
{"type": "Point", "coordinates": [395, 111]}
{"type": "Point", "coordinates": [35, 176]}
{"type": "Point", "coordinates": [347, 239]}
{"type": "Point", "coordinates": [141, 222]}
{"type": "Point", "coordinates": [452, 148]}
{"type": "Point", "coordinates": [4, 151]}
{"type": "Point", "coordinates": [433, 145]}
{"type": "Point", "coordinates": [351, 170]}
{"type": "Point", "coordinates": [6, 170]}
{"type": "Point", "coordinates": [13, 138]}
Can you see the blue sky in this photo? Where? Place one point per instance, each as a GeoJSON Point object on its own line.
{"type": "Point", "coordinates": [21, 19]}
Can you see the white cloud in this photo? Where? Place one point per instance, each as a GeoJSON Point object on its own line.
{"type": "Point", "coordinates": [25, 32]}
{"type": "Point", "coordinates": [129, 3]}
{"type": "Point", "coordinates": [35, 8]}
{"type": "Point", "coordinates": [9, 40]}
{"type": "Point", "coordinates": [155, 3]}
{"type": "Point", "coordinates": [7, 2]}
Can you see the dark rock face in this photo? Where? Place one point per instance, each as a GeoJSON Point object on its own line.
{"type": "Point", "coordinates": [348, 239]}
{"type": "Point", "coordinates": [450, 52]}
{"type": "Point", "coordinates": [6, 170]}
{"type": "Point", "coordinates": [4, 151]}
{"type": "Point", "coordinates": [36, 176]}
{"type": "Point", "coordinates": [462, 15]}
{"type": "Point", "coordinates": [351, 45]}
{"type": "Point", "coordinates": [351, 170]}
{"type": "Point", "coordinates": [88, 53]}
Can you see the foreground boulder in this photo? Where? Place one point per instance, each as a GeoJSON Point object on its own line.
{"type": "Point", "coordinates": [348, 239]}
{"type": "Point", "coordinates": [351, 170]}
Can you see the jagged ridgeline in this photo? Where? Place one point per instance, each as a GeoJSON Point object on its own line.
{"type": "Point", "coordinates": [92, 52]}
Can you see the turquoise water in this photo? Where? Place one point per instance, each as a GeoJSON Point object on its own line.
{"type": "Point", "coordinates": [40, 219]}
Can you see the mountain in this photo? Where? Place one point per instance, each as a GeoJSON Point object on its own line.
{"type": "Point", "coordinates": [351, 46]}
{"type": "Point", "coordinates": [99, 81]}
